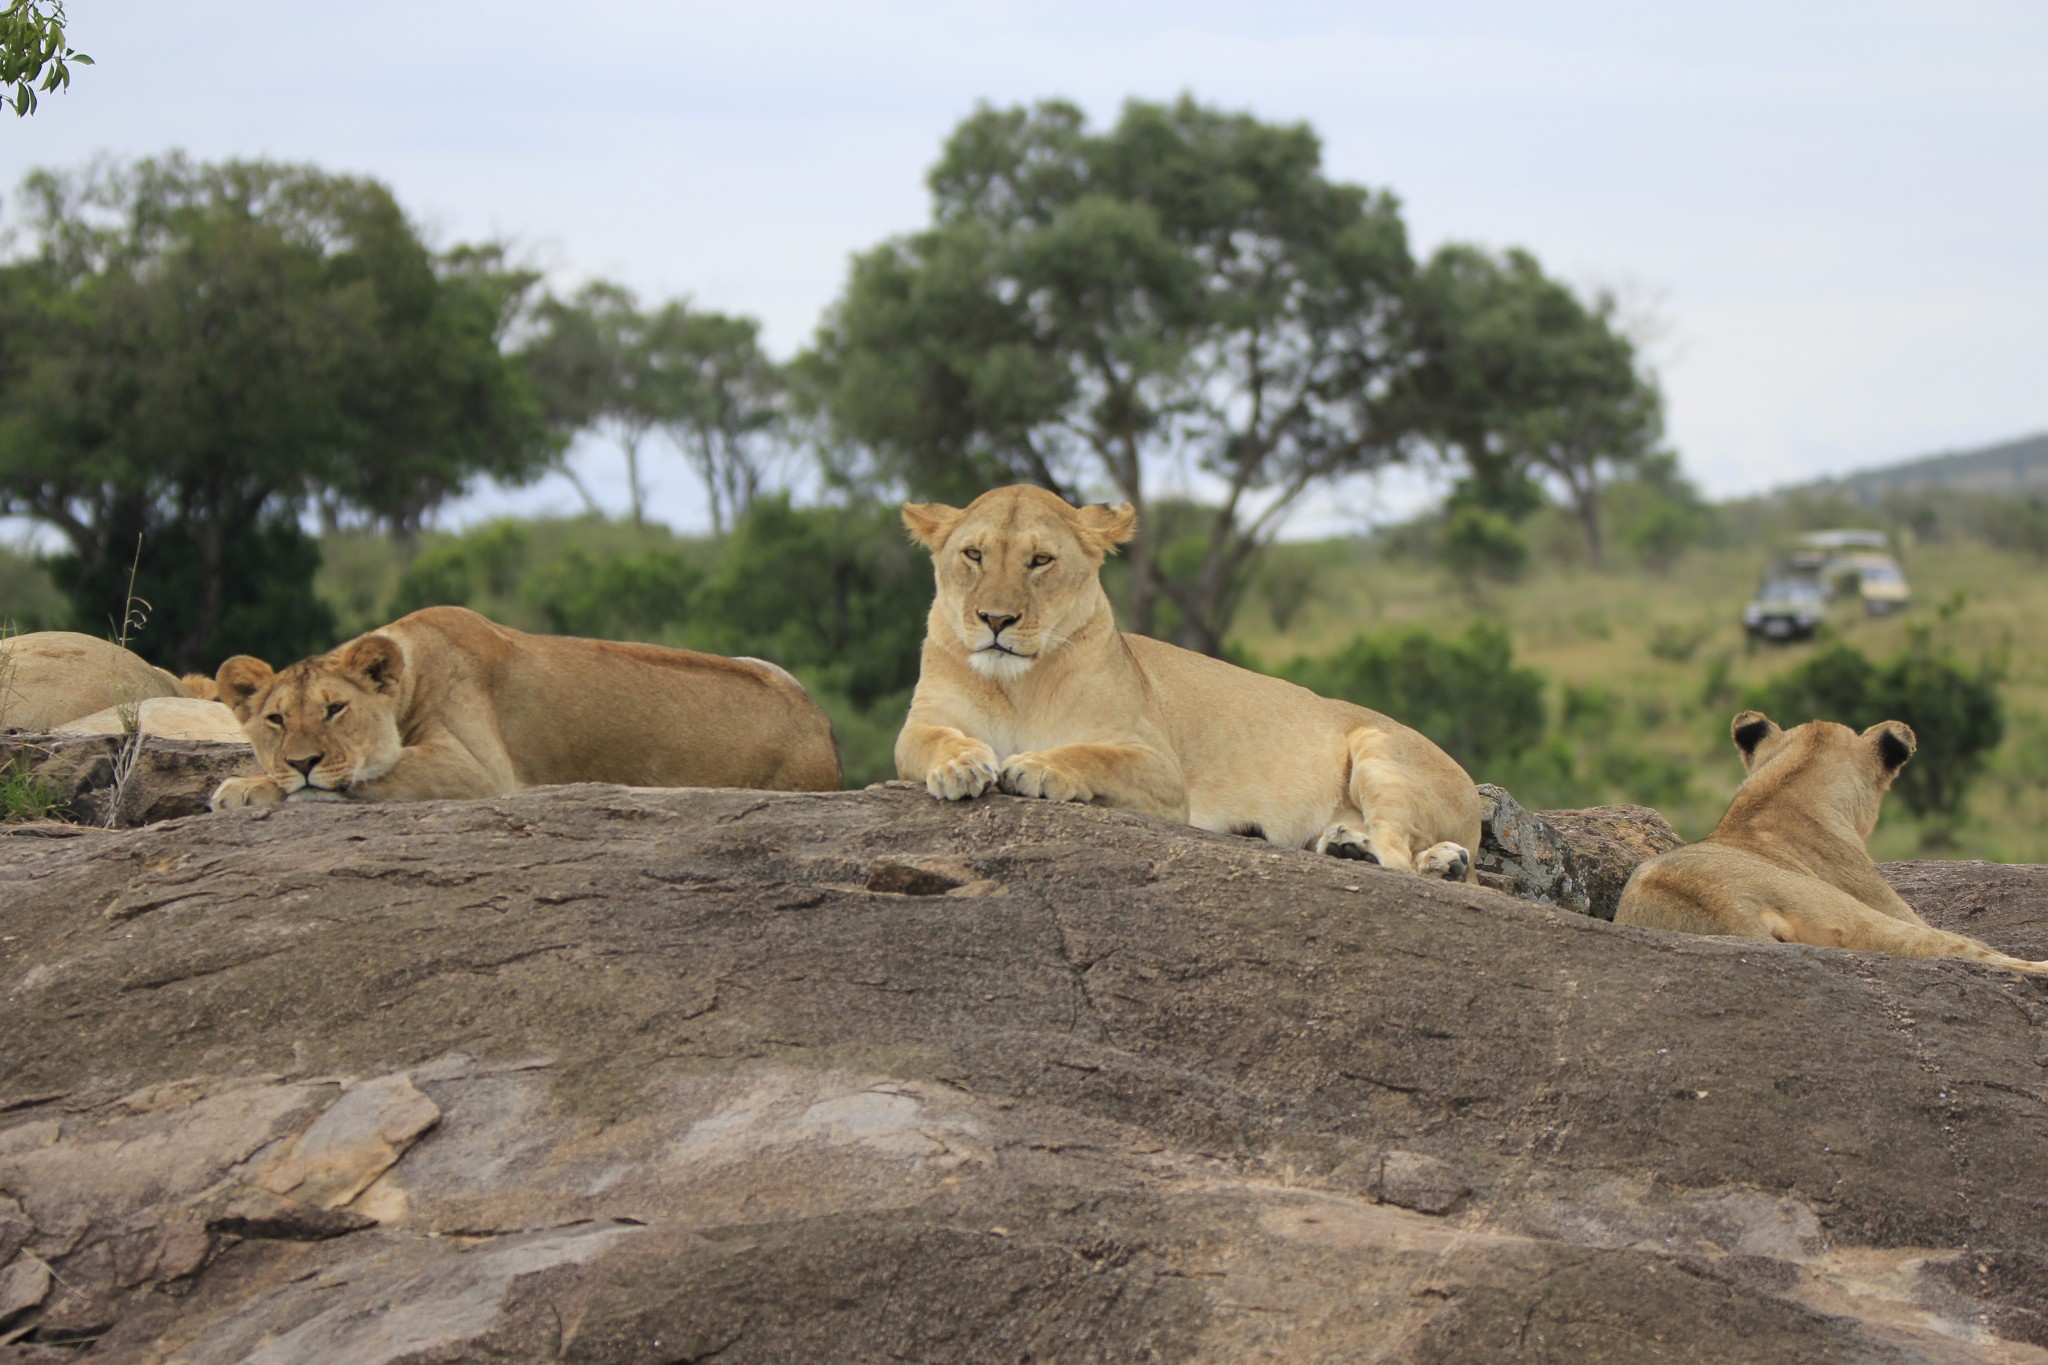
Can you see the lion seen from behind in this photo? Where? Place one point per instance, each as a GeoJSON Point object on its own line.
{"type": "Point", "coordinates": [1788, 861]}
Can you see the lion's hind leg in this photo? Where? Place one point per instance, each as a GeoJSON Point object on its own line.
{"type": "Point", "coordinates": [1841, 921]}
{"type": "Point", "coordinates": [1450, 861]}
{"type": "Point", "coordinates": [1398, 814]}
{"type": "Point", "coordinates": [1347, 839]}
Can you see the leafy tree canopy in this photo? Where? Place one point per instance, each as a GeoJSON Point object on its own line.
{"type": "Point", "coordinates": [1526, 381]}
{"type": "Point", "coordinates": [33, 53]}
{"type": "Point", "coordinates": [700, 378]}
{"type": "Point", "coordinates": [196, 354]}
{"type": "Point", "coordinates": [1187, 285]}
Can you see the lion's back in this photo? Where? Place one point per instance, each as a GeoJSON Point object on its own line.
{"type": "Point", "coordinates": [570, 709]}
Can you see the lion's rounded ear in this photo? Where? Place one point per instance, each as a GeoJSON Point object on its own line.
{"type": "Point", "coordinates": [1749, 729]}
{"type": "Point", "coordinates": [1895, 743]}
{"type": "Point", "coordinates": [239, 680]}
{"type": "Point", "coordinates": [376, 660]}
{"type": "Point", "coordinates": [1105, 526]}
{"type": "Point", "coordinates": [929, 523]}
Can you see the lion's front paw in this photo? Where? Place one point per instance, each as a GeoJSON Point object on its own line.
{"type": "Point", "coordinates": [246, 791]}
{"type": "Point", "coordinates": [968, 773]}
{"type": "Point", "coordinates": [1037, 775]}
{"type": "Point", "coordinates": [1347, 841]}
{"type": "Point", "coordinates": [1452, 862]}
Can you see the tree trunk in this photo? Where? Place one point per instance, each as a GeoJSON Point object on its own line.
{"type": "Point", "coordinates": [1586, 502]}
{"type": "Point", "coordinates": [633, 490]}
{"type": "Point", "coordinates": [1144, 602]}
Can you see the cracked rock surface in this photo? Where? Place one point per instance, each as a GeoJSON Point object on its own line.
{"type": "Point", "coordinates": [599, 1074]}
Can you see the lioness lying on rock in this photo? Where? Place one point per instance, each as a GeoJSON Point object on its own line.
{"type": "Point", "coordinates": [1788, 862]}
{"type": "Point", "coordinates": [1027, 686]}
{"type": "Point", "coordinates": [445, 703]}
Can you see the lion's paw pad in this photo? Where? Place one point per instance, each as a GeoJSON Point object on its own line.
{"type": "Point", "coordinates": [1343, 841]}
{"type": "Point", "coordinates": [1452, 862]}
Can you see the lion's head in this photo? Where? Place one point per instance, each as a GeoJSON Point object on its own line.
{"type": "Point", "coordinates": [328, 722]}
{"type": "Point", "coordinates": [1825, 765]}
{"type": "Point", "coordinates": [1017, 571]}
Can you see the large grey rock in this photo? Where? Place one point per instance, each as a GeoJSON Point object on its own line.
{"type": "Point", "coordinates": [48, 677]}
{"type": "Point", "coordinates": [595, 1074]}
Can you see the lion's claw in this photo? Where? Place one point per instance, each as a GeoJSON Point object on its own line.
{"type": "Point", "coordinates": [962, 776]}
{"type": "Point", "coordinates": [1036, 775]}
{"type": "Point", "coordinates": [246, 791]}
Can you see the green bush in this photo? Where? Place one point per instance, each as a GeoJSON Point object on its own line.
{"type": "Point", "coordinates": [1481, 543]}
{"type": "Point", "coordinates": [273, 614]}
{"type": "Point", "coordinates": [834, 593]}
{"type": "Point", "coordinates": [629, 598]}
{"type": "Point", "coordinates": [1956, 712]}
{"type": "Point", "coordinates": [1465, 692]}
{"type": "Point", "coordinates": [482, 563]}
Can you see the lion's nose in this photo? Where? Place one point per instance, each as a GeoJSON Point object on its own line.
{"type": "Point", "coordinates": [305, 765]}
{"type": "Point", "coordinates": [997, 621]}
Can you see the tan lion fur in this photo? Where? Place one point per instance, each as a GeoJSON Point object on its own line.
{"type": "Point", "coordinates": [1058, 703]}
{"type": "Point", "coordinates": [445, 703]}
{"type": "Point", "coordinates": [1788, 861]}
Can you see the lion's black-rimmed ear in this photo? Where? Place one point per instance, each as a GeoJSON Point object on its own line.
{"type": "Point", "coordinates": [1104, 526]}
{"type": "Point", "coordinates": [929, 523]}
{"type": "Point", "coordinates": [239, 680]}
{"type": "Point", "coordinates": [1749, 729]}
{"type": "Point", "coordinates": [375, 659]}
{"type": "Point", "coordinates": [1895, 743]}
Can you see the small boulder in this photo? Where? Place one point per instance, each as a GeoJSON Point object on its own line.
{"type": "Point", "coordinates": [1524, 855]}
{"type": "Point", "coordinates": [48, 677]}
{"type": "Point", "coordinates": [164, 718]}
{"type": "Point", "coordinates": [1608, 842]}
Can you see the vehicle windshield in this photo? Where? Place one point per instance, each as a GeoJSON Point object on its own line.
{"type": "Point", "coordinates": [1882, 573]}
{"type": "Point", "coordinates": [1792, 590]}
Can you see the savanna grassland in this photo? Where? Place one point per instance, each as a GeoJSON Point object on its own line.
{"type": "Point", "coordinates": [1652, 664]}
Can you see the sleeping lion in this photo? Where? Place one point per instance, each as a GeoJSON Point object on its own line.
{"type": "Point", "coordinates": [1028, 687]}
{"type": "Point", "coordinates": [447, 704]}
{"type": "Point", "coordinates": [1788, 862]}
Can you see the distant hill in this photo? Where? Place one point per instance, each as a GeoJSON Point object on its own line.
{"type": "Point", "coordinates": [2006, 468]}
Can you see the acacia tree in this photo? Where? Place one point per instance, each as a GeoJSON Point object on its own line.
{"type": "Point", "coordinates": [1525, 381]}
{"type": "Point", "coordinates": [197, 354]}
{"type": "Point", "coordinates": [723, 404]}
{"type": "Point", "coordinates": [602, 363]}
{"type": "Point", "coordinates": [1088, 306]}
{"type": "Point", "coordinates": [592, 361]}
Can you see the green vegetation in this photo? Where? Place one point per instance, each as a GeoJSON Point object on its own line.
{"type": "Point", "coordinates": [24, 795]}
{"type": "Point", "coordinates": [1189, 287]}
{"type": "Point", "coordinates": [212, 361]}
{"type": "Point", "coordinates": [33, 52]}
{"type": "Point", "coordinates": [198, 356]}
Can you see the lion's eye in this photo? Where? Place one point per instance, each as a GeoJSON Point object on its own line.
{"type": "Point", "coordinates": [336, 708]}
{"type": "Point", "coordinates": [275, 719]}
{"type": "Point", "coordinates": [972, 554]}
{"type": "Point", "coordinates": [1040, 561]}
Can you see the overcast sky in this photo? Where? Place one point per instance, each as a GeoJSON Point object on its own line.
{"type": "Point", "coordinates": [1838, 211]}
